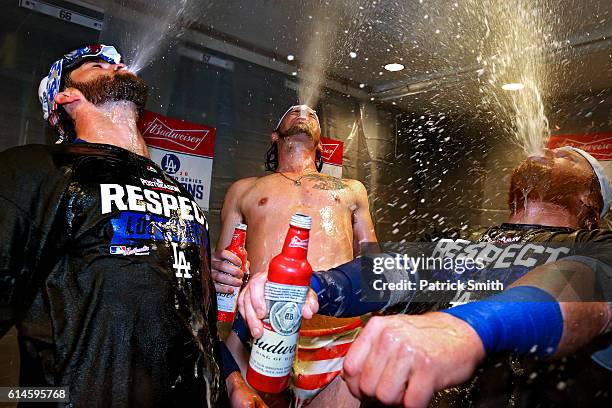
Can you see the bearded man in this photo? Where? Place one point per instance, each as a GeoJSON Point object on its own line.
{"type": "Point", "coordinates": [107, 280]}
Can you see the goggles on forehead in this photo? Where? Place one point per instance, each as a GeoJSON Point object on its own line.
{"type": "Point", "coordinates": [304, 111]}
{"type": "Point", "coordinates": [52, 83]}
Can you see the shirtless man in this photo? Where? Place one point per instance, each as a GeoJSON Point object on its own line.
{"type": "Point", "coordinates": [341, 222]}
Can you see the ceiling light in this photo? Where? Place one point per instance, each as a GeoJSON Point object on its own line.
{"type": "Point", "coordinates": [394, 67]}
{"type": "Point", "coordinates": [513, 86]}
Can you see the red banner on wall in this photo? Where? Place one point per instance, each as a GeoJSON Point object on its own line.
{"type": "Point", "coordinates": [177, 135]}
{"type": "Point", "coordinates": [598, 145]}
{"type": "Point", "coordinates": [182, 149]}
{"type": "Point", "coordinates": [331, 152]}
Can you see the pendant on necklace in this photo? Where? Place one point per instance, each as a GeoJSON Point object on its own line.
{"type": "Point", "coordinates": [297, 183]}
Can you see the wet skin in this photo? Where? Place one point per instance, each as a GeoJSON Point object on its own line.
{"type": "Point", "coordinates": [91, 70]}
{"type": "Point", "coordinates": [338, 207]}
{"type": "Point", "coordinates": [564, 159]}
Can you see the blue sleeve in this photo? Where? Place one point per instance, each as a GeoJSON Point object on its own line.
{"type": "Point", "coordinates": [342, 291]}
{"type": "Point", "coordinates": [523, 320]}
{"type": "Point", "coordinates": [228, 364]}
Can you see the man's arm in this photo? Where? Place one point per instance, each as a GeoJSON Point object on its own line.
{"type": "Point", "coordinates": [573, 284]}
{"type": "Point", "coordinates": [434, 351]}
{"type": "Point", "coordinates": [363, 227]}
{"type": "Point", "coordinates": [226, 271]}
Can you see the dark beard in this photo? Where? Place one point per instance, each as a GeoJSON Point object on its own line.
{"type": "Point", "coordinates": [300, 128]}
{"type": "Point", "coordinates": [121, 87]}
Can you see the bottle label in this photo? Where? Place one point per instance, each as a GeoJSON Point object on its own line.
{"type": "Point", "coordinates": [286, 293]}
{"type": "Point", "coordinates": [226, 302]}
{"type": "Point", "coordinates": [285, 307]}
{"type": "Point", "coordinates": [272, 354]}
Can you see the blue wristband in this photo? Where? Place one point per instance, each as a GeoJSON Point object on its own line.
{"type": "Point", "coordinates": [524, 319]}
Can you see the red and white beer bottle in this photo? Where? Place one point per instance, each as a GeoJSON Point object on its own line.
{"type": "Point", "coordinates": [288, 282]}
{"type": "Point", "coordinates": [226, 302]}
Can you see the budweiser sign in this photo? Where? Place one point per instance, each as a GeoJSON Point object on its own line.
{"type": "Point", "coordinates": [331, 151]}
{"type": "Point", "coordinates": [189, 139]}
{"type": "Point", "coordinates": [177, 135]}
{"type": "Point", "coordinates": [598, 145]}
{"type": "Point", "coordinates": [328, 150]}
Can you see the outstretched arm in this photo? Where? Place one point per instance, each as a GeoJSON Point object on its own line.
{"type": "Point", "coordinates": [572, 284]}
{"type": "Point", "coordinates": [430, 352]}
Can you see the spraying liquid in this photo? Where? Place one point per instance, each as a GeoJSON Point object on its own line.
{"type": "Point", "coordinates": [517, 40]}
{"type": "Point", "coordinates": [317, 59]}
{"type": "Point", "coordinates": [141, 44]}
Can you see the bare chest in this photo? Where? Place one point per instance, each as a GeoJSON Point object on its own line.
{"type": "Point", "coordinates": [279, 197]}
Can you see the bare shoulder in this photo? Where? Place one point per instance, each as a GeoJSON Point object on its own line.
{"type": "Point", "coordinates": [356, 186]}
{"type": "Point", "coordinates": [239, 188]}
{"type": "Point", "coordinates": [242, 185]}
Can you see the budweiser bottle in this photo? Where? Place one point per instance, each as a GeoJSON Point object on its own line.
{"type": "Point", "coordinates": [288, 282]}
{"type": "Point", "coordinates": [226, 302]}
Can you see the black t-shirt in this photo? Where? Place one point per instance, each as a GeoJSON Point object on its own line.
{"type": "Point", "coordinates": [104, 270]}
{"type": "Point", "coordinates": [571, 381]}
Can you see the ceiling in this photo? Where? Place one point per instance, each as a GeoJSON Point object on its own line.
{"type": "Point", "coordinates": [442, 43]}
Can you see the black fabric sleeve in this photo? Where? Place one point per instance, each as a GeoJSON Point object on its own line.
{"type": "Point", "coordinates": [17, 234]}
{"type": "Point", "coordinates": [227, 360]}
{"type": "Point", "coordinates": [30, 194]}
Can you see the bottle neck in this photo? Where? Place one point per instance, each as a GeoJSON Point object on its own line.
{"type": "Point", "coordinates": [238, 239]}
{"type": "Point", "coordinates": [296, 243]}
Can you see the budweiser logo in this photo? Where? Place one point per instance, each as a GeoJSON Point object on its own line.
{"type": "Point", "coordinates": [187, 138]}
{"type": "Point", "coordinates": [296, 242]}
{"type": "Point", "coordinates": [328, 150]}
{"type": "Point", "coordinates": [279, 348]}
{"type": "Point", "coordinates": [600, 149]}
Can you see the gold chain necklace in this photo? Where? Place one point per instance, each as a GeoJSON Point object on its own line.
{"type": "Point", "coordinates": [296, 182]}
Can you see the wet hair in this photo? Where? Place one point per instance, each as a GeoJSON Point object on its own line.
{"type": "Point", "coordinates": [534, 181]}
{"type": "Point", "coordinates": [65, 120]}
{"type": "Point", "coordinates": [271, 159]}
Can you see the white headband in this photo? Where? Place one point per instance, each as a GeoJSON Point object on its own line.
{"type": "Point", "coordinates": [302, 108]}
{"type": "Point", "coordinates": [604, 182]}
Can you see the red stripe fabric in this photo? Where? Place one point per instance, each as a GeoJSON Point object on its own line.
{"type": "Point", "coordinates": [324, 353]}
{"type": "Point", "coordinates": [314, 381]}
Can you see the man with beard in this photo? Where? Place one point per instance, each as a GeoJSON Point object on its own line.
{"type": "Point", "coordinates": [341, 223]}
{"type": "Point", "coordinates": [554, 310]}
{"type": "Point", "coordinates": [106, 279]}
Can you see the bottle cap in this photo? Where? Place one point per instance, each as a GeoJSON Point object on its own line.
{"type": "Point", "coordinates": [301, 221]}
{"type": "Point", "coordinates": [241, 226]}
